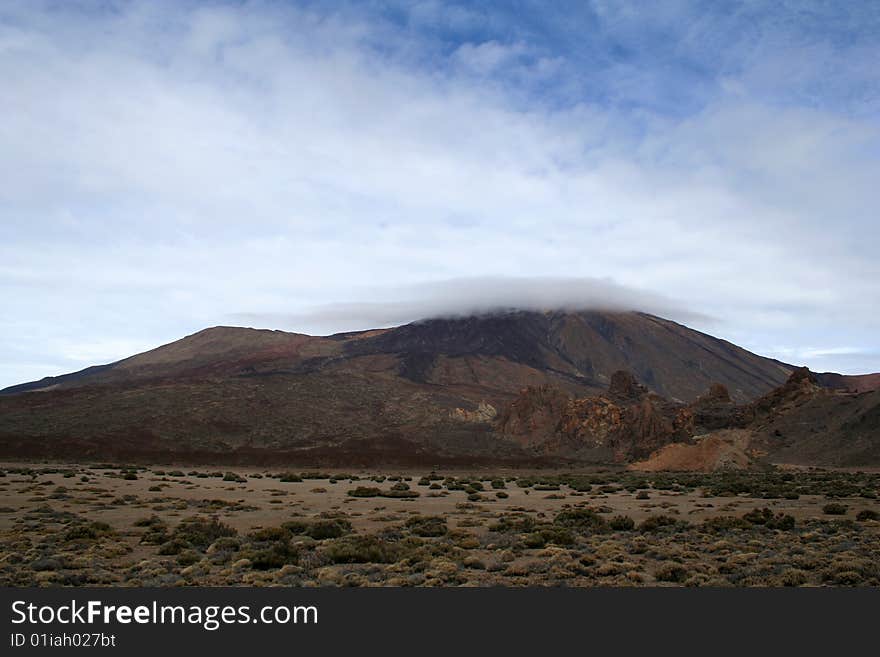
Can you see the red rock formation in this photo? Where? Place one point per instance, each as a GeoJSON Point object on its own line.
{"type": "Point", "coordinates": [629, 421]}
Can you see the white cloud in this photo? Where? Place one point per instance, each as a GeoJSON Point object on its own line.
{"type": "Point", "coordinates": [473, 296]}
{"type": "Point", "coordinates": [162, 167]}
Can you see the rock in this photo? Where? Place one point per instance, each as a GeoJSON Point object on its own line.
{"type": "Point", "coordinates": [485, 413]}
{"type": "Point", "coordinates": [534, 415]}
{"type": "Point", "coordinates": [624, 386]}
{"type": "Point", "coordinates": [718, 393]}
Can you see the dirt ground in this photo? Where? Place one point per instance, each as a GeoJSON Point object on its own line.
{"type": "Point", "coordinates": [63, 524]}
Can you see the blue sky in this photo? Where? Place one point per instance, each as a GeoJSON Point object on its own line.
{"type": "Point", "coordinates": [316, 166]}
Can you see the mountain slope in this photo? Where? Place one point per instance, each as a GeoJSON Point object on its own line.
{"type": "Point", "coordinates": [430, 389]}
{"type": "Point", "coordinates": [579, 351]}
{"type": "Point", "coordinates": [804, 423]}
{"type": "Point", "coordinates": [799, 422]}
{"type": "Point", "coordinates": [586, 348]}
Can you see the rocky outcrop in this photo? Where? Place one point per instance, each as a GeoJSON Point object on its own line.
{"type": "Point", "coordinates": [484, 412]}
{"type": "Point", "coordinates": [800, 387]}
{"type": "Point", "coordinates": [591, 422]}
{"type": "Point", "coordinates": [624, 387]}
{"type": "Point", "coordinates": [799, 422]}
{"type": "Point", "coordinates": [629, 421]}
{"type": "Point", "coordinates": [534, 415]}
{"type": "Point", "coordinates": [716, 410]}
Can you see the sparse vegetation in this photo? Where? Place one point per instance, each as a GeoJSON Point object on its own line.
{"type": "Point", "coordinates": [591, 531]}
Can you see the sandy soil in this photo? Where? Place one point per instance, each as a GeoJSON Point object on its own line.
{"type": "Point", "coordinates": [39, 502]}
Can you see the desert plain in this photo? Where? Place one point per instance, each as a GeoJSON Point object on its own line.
{"type": "Point", "coordinates": [64, 524]}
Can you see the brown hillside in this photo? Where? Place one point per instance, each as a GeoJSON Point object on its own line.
{"type": "Point", "coordinates": [431, 390]}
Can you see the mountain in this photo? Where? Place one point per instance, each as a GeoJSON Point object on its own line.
{"type": "Point", "coordinates": [428, 392]}
{"type": "Point", "coordinates": [804, 422]}
{"type": "Point", "coordinates": [800, 422]}
{"type": "Point", "coordinates": [849, 382]}
{"type": "Point", "coordinates": [578, 351]}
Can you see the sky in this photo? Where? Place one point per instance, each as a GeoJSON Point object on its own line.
{"type": "Point", "coordinates": [323, 166]}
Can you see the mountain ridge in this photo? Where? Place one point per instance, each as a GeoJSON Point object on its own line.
{"type": "Point", "coordinates": [433, 389]}
{"type": "Point", "coordinates": [585, 347]}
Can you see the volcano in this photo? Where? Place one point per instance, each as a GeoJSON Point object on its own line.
{"type": "Point", "coordinates": [429, 392]}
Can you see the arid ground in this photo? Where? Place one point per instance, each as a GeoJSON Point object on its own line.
{"type": "Point", "coordinates": [77, 525]}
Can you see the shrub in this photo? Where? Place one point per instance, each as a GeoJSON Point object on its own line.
{"type": "Point", "coordinates": [765, 517]}
{"type": "Point", "coordinates": [278, 554]}
{"type": "Point", "coordinates": [226, 543]}
{"type": "Point", "coordinates": [401, 494]}
{"type": "Point", "coordinates": [174, 546]}
{"type": "Point", "coordinates": [188, 557]}
{"type": "Point", "coordinates": [427, 526]}
{"type": "Point", "coordinates": [642, 495]}
{"type": "Point", "coordinates": [365, 491]}
{"type": "Point", "coordinates": [231, 476]}
{"type": "Point", "coordinates": [548, 534]}
{"type": "Point", "coordinates": [534, 540]}
{"type": "Point", "coordinates": [129, 476]}
{"type": "Point", "coordinates": [360, 549]}
{"type": "Point", "coordinates": [867, 514]}
{"type": "Point", "coordinates": [314, 475]}
{"type": "Point", "coordinates": [501, 495]}
{"type": "Point", "coordinates": [671, 572]}
{"type": "Point", "coordinates": [834, 509]}
{"type": "Point", "coordinates": [321, 530]}
{"type": "Point", "coordinates": [269, 534]}
{"type": "Point", "coordinates": [89, 531]}
{"type": "Point", "coordinates": [519, 524]}
{"type": "Point", "coordinates": [201, 532]}
{"type": "Point", "coordinates": [155, 535]}
{"type": "Point", "coordinates": [622, 523]}
{"type": "Point", "coordinates": [498, 484]}
{"type": "Point", "coordinates": [657, 523]}
{"type": "Point", "coordinates": [580, 519]}
{"type": "Point", "coordinates": [725, 523]}
{"type": "Point", "coordinates": [793, 577]}
{"type": "Point", "coordinates": [151, 521]}
{"type": "Point", "coordinates": [290, 477]}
